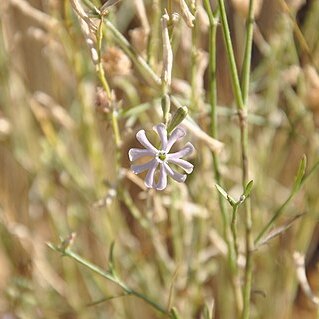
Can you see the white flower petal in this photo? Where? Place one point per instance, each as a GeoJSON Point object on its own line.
{"type": "Point", "coordinates": [176, 135]}
{"type": "Point", "coordinates": [137, 169]}
{"type": "Point", "coordinates": [175, 175]}
{"type": "Point", "coordinates": [149, 179]}
{"type": "Point", "coordinates": [186, 166]}
{"type": "Point", "coordinates": [185, 151]}
{"type": "Point", "coordinates": [160, 129]}
{"type": "Point", "coordinates": [141, 137]}
{"type": "Point", "coordinates": [162, 179]}
{"type": "Point", "coordinates": [136, 153]}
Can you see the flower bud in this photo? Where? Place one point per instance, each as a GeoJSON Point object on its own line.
{"type": "Point", "coordinates": [67, 242]}
{"type": "Point", "coordinates": [177, 118]}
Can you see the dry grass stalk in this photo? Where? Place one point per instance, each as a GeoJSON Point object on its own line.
{"type": "Point", "coordinates": [141, 12]}
{"type": "Point", "coordinates": [187, 14]}
{"type": "Point", "coordinates": [299, 260]}
{"type": "Point", "coordinates": [88, 28]}
{"type": "Point", "coordinates": [167, 52]}
{"type": "Point", "coordinates": [40, 17]}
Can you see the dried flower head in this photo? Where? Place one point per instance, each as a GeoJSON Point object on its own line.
{"type": "Point", "coordinates": [139, 38]}
{"type": "Point", "coordinates": [161, 157]}
{"type": "Point", "coordinates": [116, 62]}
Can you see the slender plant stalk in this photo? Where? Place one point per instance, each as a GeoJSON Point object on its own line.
{"type": "Point", "coordinates": [241, 97]}
{"type": "Point", "coordinates": [231, 56]}
{"type": "Point", "coordinates": [245, 75]}
{"type": "Point", "coordinates": [234, 227]}
{"type": "Point", "coordinates": [232, 255]}
{"type": "Point", "coordinates": [100, 69]}
{"type": "Point", "coordinates": [102, 77]}
{"type": "Point", "coordinates": [244, 138]}
{"type": "Point", "coordinates": [110, 275]}
{"type": "Point", "coordinates": [194, 63]}
{"type": "Point", "coordinates": [152, 38]}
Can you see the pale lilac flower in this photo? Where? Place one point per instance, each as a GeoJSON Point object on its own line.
{"type": "Point", "coordinates": [161, 157]}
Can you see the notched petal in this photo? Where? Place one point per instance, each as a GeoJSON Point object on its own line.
{"type": "Point", "coordinates": [136, 153]}
{"type": "Point", "coordinates": [160, 129]}
{"type": "Point", "coordinates": [175, 175]}
{"type": "Point", "coordinates": [185, 151]}
{"type": "Point", "coordinates": [186, 166]}
{"type": "Point", "coordinates": [137, 169]}
{"type": "Point", "coordinates": [141, 137]}
{"type": "Point", "coordinates": [162, 179]}
{"type": "Point", "coordinates": [149, 179]}
{"type": "Point", "coordinates": [176, 135]}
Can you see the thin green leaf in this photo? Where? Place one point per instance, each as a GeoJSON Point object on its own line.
{"type": "Point", "coordinates": [300, 174]}
{"type": "Point", "coordinates": [111, 257]}
{"type": "Point", "coordinates": [222, 191]}
{"type": "Point", "coordinates": [174, 314]}
{"type": "Point", "coordinates": [248, 188]}
{"type": "Point", "coordinates": [278, 231]}
{"type": "Point", "coordinates": [230, 200]}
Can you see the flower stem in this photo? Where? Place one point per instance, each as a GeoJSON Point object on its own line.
{"type": "Point", "coordinates": [232, 254]}
{"type": "Point", "coordinates": [245, 163]}
{"type": "Point", "coordinates": [100, 69]}
{"type": "Point", "coordinates": [101, 75]}
{"type": "Point", "coordinates": [241, 97]}
{"type": "Point", "coordinates": [194, 63]}
{"type": "Point", "coordinates": [234, 227]}
{"type": "Point", "coordinates": [110, 276]}
{"type": "Point", "coordinates": [231, 56]}
{"type": "Point", "coordinates": [245, 75]}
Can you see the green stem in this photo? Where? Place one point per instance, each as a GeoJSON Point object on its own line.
{"type": "Point", "coordinates": [245, 76]}
{"type": "Point", "coordinates": [212, 69]}
{"type": "Point", "coordinates": [249, 262]}
{"type": "Point", "coordinates": [213, 23]}
{"type": "Point", "coordinates": [194, 65]}
{"type": "Point", "coordinates": [116, 130]}
{"type": "Point", "coordinates": [245, 163]}
{"type": "Point", "coordinates": [101, 75]}
{"type": "Point", "coordinates": [231, 56]}
{"type": "Point", "coordinates": [234, 227]}
{"type": "Point", "coordinates": [110, 276]}
{"type": "Point", "coordinates": [100, 69]}
{"type": "Point", "coordinates": [232, 255]}
{"type": "Point", "coordinates": [241, 98]}
{"type": "Point", "coordinates": [117, 138]}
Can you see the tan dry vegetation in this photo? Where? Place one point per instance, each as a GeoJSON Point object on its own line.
{"type": "Point", "coordinates": [59, 161]}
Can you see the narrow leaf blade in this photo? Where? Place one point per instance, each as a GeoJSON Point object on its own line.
{"type": "Point", "coordinates": [300, 174]}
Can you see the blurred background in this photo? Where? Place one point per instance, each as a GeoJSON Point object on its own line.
{"type": "Point", "coordinates": [62, 172]}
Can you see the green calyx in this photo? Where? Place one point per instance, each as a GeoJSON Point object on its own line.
{"type": "Point", "coordinates": [162, 155]}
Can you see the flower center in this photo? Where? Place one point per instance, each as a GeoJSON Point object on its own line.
{"type": "Point", "coordinates": [161, 155]}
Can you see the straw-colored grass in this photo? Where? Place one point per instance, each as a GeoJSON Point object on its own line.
{"type": "Point", "coordinates": [77, 83]}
